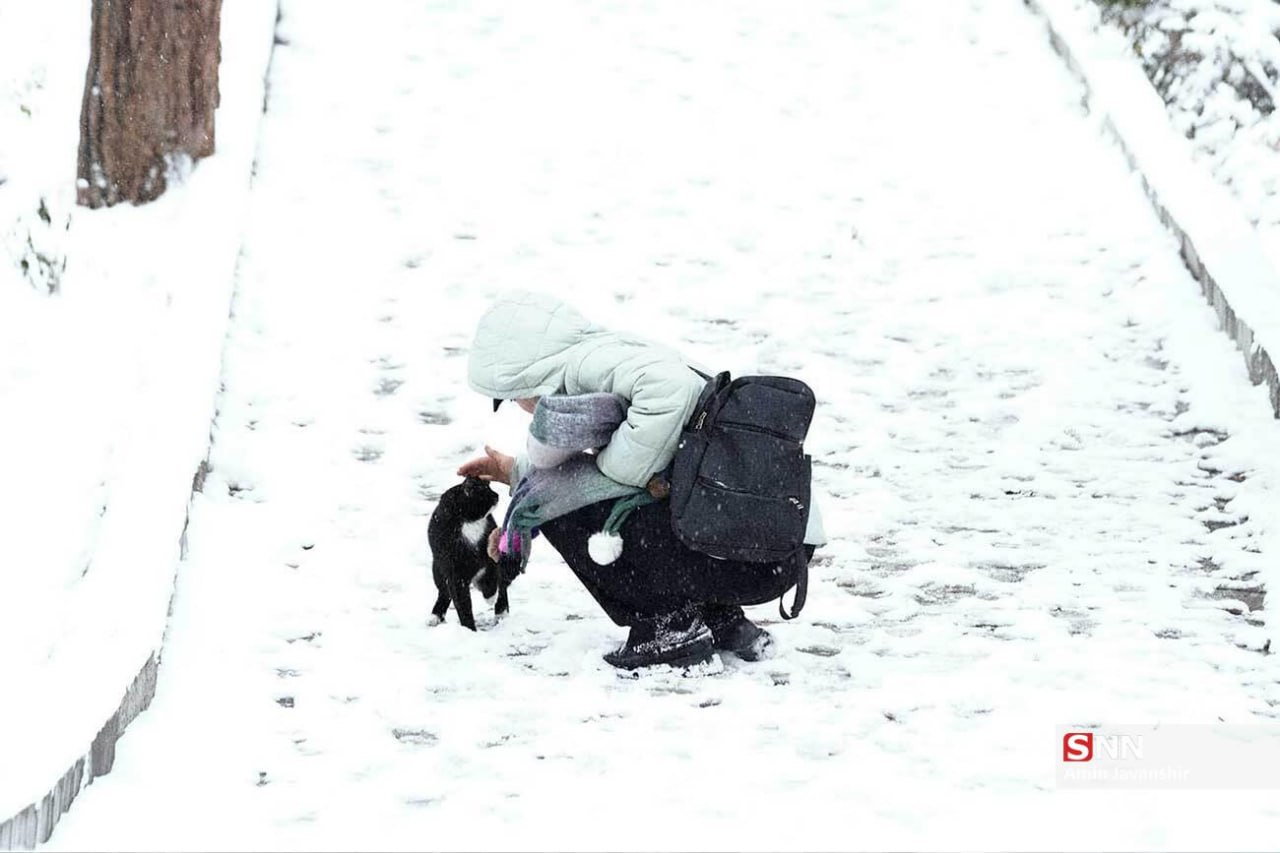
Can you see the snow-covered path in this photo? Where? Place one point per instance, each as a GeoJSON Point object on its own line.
{"type": "Point", "coordinates": [1042, 460]}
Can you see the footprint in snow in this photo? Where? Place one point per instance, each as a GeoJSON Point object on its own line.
{"type": "Point", "coordinates": [367, 453]}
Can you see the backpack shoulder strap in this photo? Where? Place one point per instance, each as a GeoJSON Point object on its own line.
{"type": "Point", "coordinates": [802, 586]}
{"type": "Point", "coordinates": [699, 372]}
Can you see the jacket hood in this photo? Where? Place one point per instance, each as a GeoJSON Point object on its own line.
{"type": "Point", "coordinates": [521, 345]}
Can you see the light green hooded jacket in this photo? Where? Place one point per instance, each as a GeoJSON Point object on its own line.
{"type": "Point", "coordinates": [531, 345]}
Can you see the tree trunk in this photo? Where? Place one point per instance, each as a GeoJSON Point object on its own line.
{"type": "Point", "coordinates": [149, 96]}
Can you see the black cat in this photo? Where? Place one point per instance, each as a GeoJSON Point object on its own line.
{"type": "Point", "coordinates": [459, 536]}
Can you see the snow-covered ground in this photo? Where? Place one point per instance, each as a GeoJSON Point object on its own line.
{"type": "Point", "coordinates": [1051, 485]}
{"type": "Point", "coordinates": [54, 465]}
{"type": "Point", "coordinates": [1216, 64]}
{"type": "Point", "coordinates": [108, 372]}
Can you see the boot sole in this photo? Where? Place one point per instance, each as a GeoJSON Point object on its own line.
{"type": "Point", "coordinates": [694, 655]}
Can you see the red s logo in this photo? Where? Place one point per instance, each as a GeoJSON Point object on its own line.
{"type": "Point", "coordinates": [1077, 746]}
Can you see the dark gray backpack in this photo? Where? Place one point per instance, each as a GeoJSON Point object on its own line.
{"type": "Point", "coordinates": [740, 481]}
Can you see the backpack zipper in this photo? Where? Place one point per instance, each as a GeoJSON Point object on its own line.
{"type": "Point", "coordinates": [759, 429]}
{"type": "Point", "coordinates": [707, 481]}
{"type": "Point", "coordinates": [704, 480]}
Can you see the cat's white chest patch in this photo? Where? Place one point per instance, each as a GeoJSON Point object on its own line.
{"type": "Point", "coordinates": [473, 531]}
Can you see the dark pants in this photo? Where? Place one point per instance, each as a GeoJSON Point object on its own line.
{"type": "Point", "coordinates": [656, 574]}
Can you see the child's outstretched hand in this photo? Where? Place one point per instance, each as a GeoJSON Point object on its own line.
{"type": "Point", "coordinates": [492, 466]}
{"type": "Point", "coordinates": [495, 536]}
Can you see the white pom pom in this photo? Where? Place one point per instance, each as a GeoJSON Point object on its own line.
{"type": "Point", "coordinates": [604, 548]}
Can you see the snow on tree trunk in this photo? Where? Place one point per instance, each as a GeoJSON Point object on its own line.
{"type": "Point", "coordinates": [149, 96]}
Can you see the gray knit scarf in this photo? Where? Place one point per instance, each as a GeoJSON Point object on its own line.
{"type": "Point", "coordinates": [566, 426]}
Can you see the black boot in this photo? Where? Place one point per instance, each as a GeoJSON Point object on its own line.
{"type": "Point", "coordinates": [677, 639]}
{"type": "Point", "coordinates": [732, 631]}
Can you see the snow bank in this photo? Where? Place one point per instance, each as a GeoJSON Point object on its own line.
{"type": "Point", "coordinates": [108, 376]}
{"type": "Point", "coordinates": [1216, 64]}
{"type": "Point", "coordinates": [1220, 246]}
